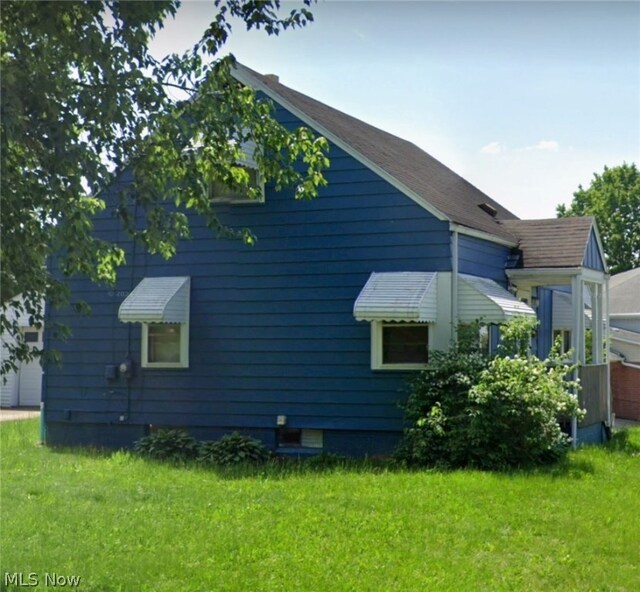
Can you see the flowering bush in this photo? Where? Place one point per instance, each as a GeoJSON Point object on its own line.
{"type": "Point", "coordinates": [514, 410]}
{"type": "Point", "coordinates": [465, 410]}
{"type": "Point", "coordinates": [438, 410]}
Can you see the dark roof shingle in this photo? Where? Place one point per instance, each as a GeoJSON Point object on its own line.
{"type": "Point", "coordinates": [554, 242]}
{"type": "Point", "coordinates": [433, 182]}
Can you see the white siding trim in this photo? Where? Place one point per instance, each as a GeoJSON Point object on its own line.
{"type": "Point", "coordinates": [481, 234]}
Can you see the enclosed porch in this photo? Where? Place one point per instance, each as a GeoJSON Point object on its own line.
{"type": "Point", "coordinates": [565, 256]}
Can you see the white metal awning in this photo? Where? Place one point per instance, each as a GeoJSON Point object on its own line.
{"type": "Point", "coordinates": [157, 300]}
{"type": "Point", "coordinates": [398, 296]}
{"type": "Point", "coordinates": [483, 298]}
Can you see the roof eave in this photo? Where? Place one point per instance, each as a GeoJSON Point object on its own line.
{"type": "Point", "coordinates": [466, 230]}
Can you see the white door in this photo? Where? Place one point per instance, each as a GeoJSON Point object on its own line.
{"type": "Point", "coordinates": [30, 374]}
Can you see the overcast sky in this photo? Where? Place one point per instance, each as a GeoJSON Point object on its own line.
{"type": "Point", "coordinates": [526, 100]}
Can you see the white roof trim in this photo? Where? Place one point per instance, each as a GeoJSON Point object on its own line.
{"type": "Point", "coordinates": [483, 298]}
{"type": "Point", "coordinates": [409, 296]}
{"type": "Point", "coordinates": [242, 75]}
{"type": "Point", "coordinates": [157, 300]}
{"type": "Point", "coordinates": [454, 227]}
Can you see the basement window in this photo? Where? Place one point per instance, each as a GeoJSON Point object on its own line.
{"type": "Point", "coordinates": [299, 438]}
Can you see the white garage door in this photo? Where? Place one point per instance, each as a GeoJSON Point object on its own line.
{"type": "Point", "coordinates": [30, 375]}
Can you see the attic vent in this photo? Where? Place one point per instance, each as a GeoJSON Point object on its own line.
{"type": "Point", "coordinates": [272, 77]}
{"type": "Point", "coordinates": [489, 209]}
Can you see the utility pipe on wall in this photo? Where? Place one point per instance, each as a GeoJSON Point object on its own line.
{"type": "Point", "coordinates": [607, 336]}
{"type": "Point", "coordinates": [454, 286]}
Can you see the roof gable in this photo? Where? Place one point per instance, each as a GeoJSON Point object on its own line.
{"type": "Point", "coordinates": [420, 176]}
{"type": "Point", "coordinates": [553, 242]}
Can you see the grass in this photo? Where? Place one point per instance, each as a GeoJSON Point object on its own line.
{"type": "Point", "coordinates": [125, 524]}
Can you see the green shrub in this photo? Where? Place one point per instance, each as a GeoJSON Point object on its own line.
{"type": "Point", "coordinates": [233, 449]}
{"type": "Point", "coordinates": [174, 445]}
{"type": "Point", "coordinates": [437, 410]}
{"type": "Point", "coordinates": [464, 410]}
{"type": "Point", "coordinates": [514, 410]}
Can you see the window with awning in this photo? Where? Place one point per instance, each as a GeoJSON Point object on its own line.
{"type": "Point", "coordinates": [401, 305]}
{"type": "Point", "coordinates": [161, 305]}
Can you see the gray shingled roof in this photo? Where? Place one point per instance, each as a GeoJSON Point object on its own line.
{"type": "Point", "coordinates": [429, 179]}
{"type": "Point", "coordinates": [555, 242]}
{"type": "Point", "coordinates": [624, 292]}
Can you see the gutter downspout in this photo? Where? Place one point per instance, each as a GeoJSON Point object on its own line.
{"type": "Point", "coordinates": [44, 385]}
{"type": "Point", "coordinates": [454, 286]}
{"type": "Point", "coordinates": [607, 336]}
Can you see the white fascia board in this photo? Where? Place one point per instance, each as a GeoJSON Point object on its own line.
{"type": "Point", "coordinates": [241, 75]}
{"type": "Point", "coordinates": [552, 275]}
{"type": "Point", "coordinates": [624, 315]}
{"type": "Point", "coordinates": [541, 276]}
{"type": "Point", "coordinates": [593, 276]}
{"type": "Point", "coordinates": [453, 227]}
{"type": "Point", "coordinates": [546, 271]}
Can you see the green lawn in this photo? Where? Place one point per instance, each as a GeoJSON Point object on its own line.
{"type": "Point", "coordinates": [121, 523]}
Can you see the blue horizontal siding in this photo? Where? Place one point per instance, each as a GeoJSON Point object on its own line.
{"type": "Point", "coordinates": [482, 258]}
{"type": "Point", "coordinates": [593, 256]}
{"type": "Point", "coordinates": [271, 325]}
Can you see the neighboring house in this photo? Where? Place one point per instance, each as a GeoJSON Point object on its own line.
{"type": "Point", "coordinates": [306, 339]}
{"type": "Point", "coordinates": [24, 387]}
{"type": "Point", "coordinates": [624, 307]}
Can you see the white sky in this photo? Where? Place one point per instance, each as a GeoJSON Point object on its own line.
{"type": "Point", "coordinates": [526, 100]}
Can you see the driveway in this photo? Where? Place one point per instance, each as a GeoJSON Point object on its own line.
{"type": "Point", "coordinates": [11, 414]}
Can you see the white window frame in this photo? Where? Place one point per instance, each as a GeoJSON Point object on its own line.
{"type": "Point", "coordinates": [376, 346]}
{"type": "Point", "coordinates": [246, 200]}
{"type": "Point", "coordinates": [565, 337]}
{"type": "Point", "coordinates": [309, 438]}
{"type": "Point", "coordinates": [184, 348]}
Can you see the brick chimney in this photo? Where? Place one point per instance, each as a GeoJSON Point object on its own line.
{"type": "Point", "coordinates": [272, 77]}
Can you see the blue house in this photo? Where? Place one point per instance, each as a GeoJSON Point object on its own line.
{"type": "Point", "coordinates": [306, 339]}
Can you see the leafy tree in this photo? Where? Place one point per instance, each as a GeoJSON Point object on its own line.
{"type": "Point", "coordinates": [613, 199]}
{"type": "Point", "coordinates": [84, 103]}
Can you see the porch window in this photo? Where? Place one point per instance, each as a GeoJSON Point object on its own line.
{"type": "Point", "coordinates": [399, 346]}
{"type": "Point", "coordinates": [565, 339]}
